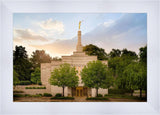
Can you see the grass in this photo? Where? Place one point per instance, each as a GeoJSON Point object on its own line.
{"type": "Point", "coordinates": [122, 96]}
{"type": "Point", "coordinates": [97, 98]}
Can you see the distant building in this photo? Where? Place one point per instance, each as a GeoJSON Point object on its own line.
{"type": "Point", "coordinates": [79, 59]}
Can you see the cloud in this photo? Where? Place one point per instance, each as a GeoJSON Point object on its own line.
{"type": "Point", "coordinates": [27, 34]}
{"type": "Point", "coordinates": [52, 25]}
{"type": "Point", "coordinates": [108, 23]}
{"type": "Point", "coordinates": [129, 31]}
{"type": "Point", "coordinates": [59, 47]}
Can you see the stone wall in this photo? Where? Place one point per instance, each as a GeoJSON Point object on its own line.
{"type": "Point", "coordinates": [31, 91]}
{"type": "Point", "coordinates": [100, 91]}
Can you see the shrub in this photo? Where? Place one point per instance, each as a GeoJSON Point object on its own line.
{"type": "Point", "coordinates": [100, 95]}
{"type": "Point", "coordinates": [39, 83]}
{"type": "Point", "coordinates": [35, 87]}
{"type": "Point", "coordinates": [40, 94]}
{"type": "Point", "coordinates": [116, 91]}
{"type": "Point", "coordinates": [66, 98]}
{"type": "Point", "coordinates": [28, 95]}
{"type": "Point", "coordinates": [47, 95]}
{"type": "Point", "coordinates": [97, 98]}
{"type": "Point", "coordinates": [37, 95]}
{"type": "Point", "coordinates": [58, 95]}
{"type": "Point", "coordinates": [17, 91]}
{"type": "Point", "coordinates": [106, 95]}
{"type": "Point", "coordinates": [24, 83]}
{"type": "Point", "coordinates": [18, 95]}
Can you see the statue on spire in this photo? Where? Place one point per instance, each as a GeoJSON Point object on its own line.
{"type": "Point", "coordinates": [80, 24]}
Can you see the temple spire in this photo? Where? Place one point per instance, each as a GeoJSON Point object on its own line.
{"type": "Point", "coordinates": [79, 45]}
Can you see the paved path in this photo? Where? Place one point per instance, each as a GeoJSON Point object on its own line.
{"type": "Point", "coordinates": [80, 99]}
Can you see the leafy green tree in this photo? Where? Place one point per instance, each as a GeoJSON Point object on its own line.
{"type": "Point", "coordinates": [64, 76]}
{"type": "Point", "coordinates": [22, 65]}
{"type": "Point", "coordinates": [135, 77]}
{"type": "Point", "coordinates": [35, 76]}
{"type": "Point", "coordinates": [132, 54]}
{"type": "Point", "coordinates": [113, 63]}
{"type": "Point", "coordinates": [95, 51]}
{"type": "Point", "coordinates": [130, 76]}
{"type": "Point", "coordinates": [115, 53]}
{"type": "Point", "coordinates": [143, 61]}
{"type": "Point", "coordinates": [96, 75]}
{"type": "Point", "coordinates": [38, 57]}
{"type": "Point", "coordinates": [143, 54]}
{"type": "Point", "coordinates": [15, 78]}
{"type": "Point", "coordinates": [118, 61]}
{"type": "Point", "coordinates": [118, 65]}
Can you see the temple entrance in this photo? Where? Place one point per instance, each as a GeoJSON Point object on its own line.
{"type": "Point", "coordinates": [79, 91]}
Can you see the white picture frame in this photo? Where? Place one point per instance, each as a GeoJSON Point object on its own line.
{"type": "Point", "coordinates": [8, 7]}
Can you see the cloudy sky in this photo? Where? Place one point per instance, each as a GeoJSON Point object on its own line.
{"type": "Point", "coordinates": [56, 33]}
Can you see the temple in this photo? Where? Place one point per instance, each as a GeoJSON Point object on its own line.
{"type": "Point", "coordinates": [79, 59]}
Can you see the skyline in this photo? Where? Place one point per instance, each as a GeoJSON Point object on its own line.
{"type": "Point", "coordinates": [56, 33]}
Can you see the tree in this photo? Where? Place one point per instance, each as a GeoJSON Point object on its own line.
{"type": "Point", "coordinates": [35, 76]}
{"type": "Point", "coordinates": [143, 54]}
{"type": "Point", "coordinates": [96, 51]}
{"type": "Point", "coordinates": [19, 53]}
{"type": "Point", "coordinates": [135, 77]}
{"type": "Point", "coordinates": [96, 75]}
{"type": "Point", "coordinates": [22, 65]}
{"type": "Point", "coordinates": [113, 64]}
{"type": "Point", "coordinates": [115, 53]}
{"type": "Point", "coordinates": [15, 78]}
{"type": "Point", "coordinates": [132, 54]}
{"type": "Point", "coordinates": [118, 61]}
{"type": "Point", "coordinates": [38, 57]}
{"type": "Point", "coordinates": [143, 61]}
{"type": "Point", "coordinates": [64, 76]}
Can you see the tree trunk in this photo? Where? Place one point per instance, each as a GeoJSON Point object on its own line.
{"type": "Point", "coordinates": [131, 92]}
{"type": "Point", "coordinates": [63, 91]}
{"type": "Point", "coordinates": [97, 92]}
{"type": "Point", "coordinates": [72, 91]}
{"type": "Point", "coordinates": [140, 93]}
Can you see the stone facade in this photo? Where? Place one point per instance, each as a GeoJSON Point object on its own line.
{"type": "Point", "coordinates": [79, 59]}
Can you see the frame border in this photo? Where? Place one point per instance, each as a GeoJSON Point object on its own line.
{"type": "Point", "coordinates": [151, 7]}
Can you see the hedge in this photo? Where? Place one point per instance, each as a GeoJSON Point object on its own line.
{"type": "Point", "coordinates": [58, 95]}
{"type": "Point", "coordinates": [47, 95]}
{"type": "Point", "coordinates": [18, 95]}
{"type": "Point", "coordinates": [17, 91]}
{"type": "Point", "coordinates": [24, 83]}
{"type": "Point", "coordinates": [35, 87]}
{"type": "Point", "coordinates": [100, 95]}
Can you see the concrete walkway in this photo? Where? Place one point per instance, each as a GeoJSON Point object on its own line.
{"type": "Point", "coordinates": [80, 99]}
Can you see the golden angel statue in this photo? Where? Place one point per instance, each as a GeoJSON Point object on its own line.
{"type": "Point", "coordinates": [79, 25]}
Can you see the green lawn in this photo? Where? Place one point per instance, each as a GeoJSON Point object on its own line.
{"type": "Point", "coordinates": [123, 96]}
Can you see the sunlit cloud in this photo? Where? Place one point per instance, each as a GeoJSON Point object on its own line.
{"type": "Point", "coordinates": [53, 25]}
{"type": "Point", "coordinates": [28, 36]}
